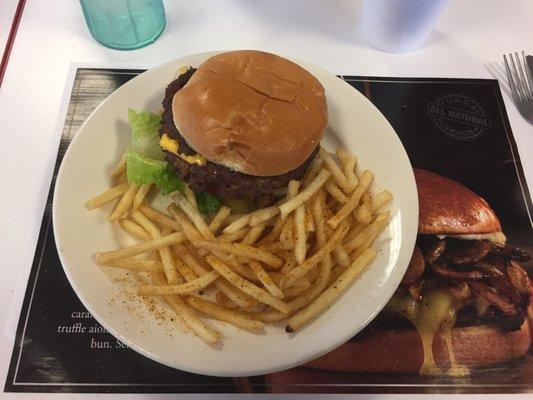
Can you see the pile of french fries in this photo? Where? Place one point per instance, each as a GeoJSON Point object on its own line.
{"type": "Point", "coordinates": [287, 262]}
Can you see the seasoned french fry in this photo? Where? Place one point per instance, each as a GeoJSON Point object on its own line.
{"type": "Point", "coordinates": [246, 286]}
{"type": "Point", "coordinates": [335, 191]}
{"type": "Point", "coordinates": [195, 324]}
{"type": "Point", "coordinates": [242, 270]}
{"type": "Point", "coordinates": [182, 288]}
{"type": "Point", "coordinates": [134, 229]}
{"type": "Point", "coordinates": [241, 250]}
{"type": "Point", "coordinates": [141, 195]}
{"type": "Point", "coordinates": [232, 293]}
{"type": "Point", "coordinates": [265, 279]}
{"type": "Point", "coordinates": [194, 216]}
{"type": "Point", "coordinates": [369, 231]}
{"type": "Point", "coordinates": [233, 317]}
{"type": "Point", "coordinates": [164, 252]}
{"type": "Point", "coordinates": [382, 199]}
{"type": "Point", "coordinates": [184, 269]}
{"type": "Point", "coordinates": [290, 263]}
{"type": "Point", "coordinates": [125, 202]}
{"type": "Point", "coordinates": [321, 230]}
{"type": "Point", "coordinates": [154, 244]}
{"type": "Point", "coordinates": [295, 291]}
{"type": "Point", "coordinates": [325, 299]}
{"type": "Point", "coordinates": [263, 215]}
{"type": "Point", "coordinates": [341, 256]}
{"type": "Point", "coordinates": [162, 219]}
{"type": "Point", "coordinates": [233, 237]}
{"type": "Point", "coordinates": [219, 219]}
{"type": "Point", "coordinates": [349, 206]}
{"type": "Point", "coordinates": [309, 223]}
{"type": "Point", "coordinates": [331, 165]}
{"type": "Point", "coordinates": [270, 316]}
{"type": "Point", "coordinates": [300, 237]}
{"type": "Point", "coordinates": [273, 236]}
{"type": "Point", "coordinates": [189, 229]}
{"type": "Point", "coordinates": [363, 214]}
{"type": "Point", "coordinates": [310, 263]}
{"type": "Point", "coordinates": [305, 194]}
{"type": "Point", "coordinates": [135, 264]}
{"type": "Point", "coordinates": [107, 196]}
{"type": "Point", "coordinates": [254, 234]}
{"type": "Point", "coordinates": [286, 237]}
{"type": "Point", "coordinates": [191, 197]}
{"type": "Point", "coordinates": [238, 224]}
{"type": "Point", "coordinates": [366, 198]}
{"type": "Point", "coordinates": [349, 171]}
{"type": "Point", "coordinates": [120, 167]}
{"type": "Point", "coordinates": [342, 155]}
{"type": "Point", "coordinates": [224, 300]}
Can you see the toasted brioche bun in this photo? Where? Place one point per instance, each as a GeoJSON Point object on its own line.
{"type": "Point", "coordinates": [400, 350]}
{"type": "Point", "coordinates": [448, 208]}
{"type": "Point", "coordinates": [251, 111]}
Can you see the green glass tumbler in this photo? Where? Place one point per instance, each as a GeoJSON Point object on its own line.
{"type": "Point", "coordinates": [124, 24]}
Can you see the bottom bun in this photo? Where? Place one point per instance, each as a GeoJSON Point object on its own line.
{"type": "Point", "coordinates": [401, 350]}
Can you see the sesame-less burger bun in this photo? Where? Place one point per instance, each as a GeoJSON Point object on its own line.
{"type": "Point", "coordinates": [251, 111]}
{"type": "Point", "coordinates": [448, 208]}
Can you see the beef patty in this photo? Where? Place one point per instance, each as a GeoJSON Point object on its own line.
{"type": "Point", "coordinates": [218, 179]}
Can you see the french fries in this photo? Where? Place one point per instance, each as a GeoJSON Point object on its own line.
{"type": "Point", "coordinates": [107, 196]}
{"type": "Point", "coordinates": [134, 229]}
{"type": "Point", "coordinates": [241, 250]}
{"type": "Point", "coordinates": [140, 195]}
{"type": "Point", "coordinates": [325, 299]}
{"type": "Point", "coordinates": [353, 201]}
{"type": "Point", "coordinates": [305, 194]}
{"type": "Point", "coordinates": [125, 202]}
{"type": "Point", "coordinates": [239, 319]}
{"type": "Point", "coordinates": [219, 219]}
{"type": "Point", "coordinates": [285, 262]}
{"type": "Point", "coordinates": [247, 287]}
{"type": "Point", "coordinates": [182, 288]}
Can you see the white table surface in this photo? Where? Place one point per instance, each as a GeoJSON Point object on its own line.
{"type": "Point", "coordinates": [468, 42]}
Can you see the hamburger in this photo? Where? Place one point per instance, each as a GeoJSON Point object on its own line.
{"type": "Point", "coordinates": [242, 125]}
{"type": "Point", "coordinates": [463, 301]}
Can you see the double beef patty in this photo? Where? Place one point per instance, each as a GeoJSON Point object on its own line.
{"type": "Point", "coordinates": [217, 179]}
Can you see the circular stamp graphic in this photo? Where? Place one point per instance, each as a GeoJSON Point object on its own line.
{"type": "Point", "coordinates": [458, 116]}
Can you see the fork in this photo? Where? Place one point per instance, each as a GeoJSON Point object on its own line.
{"type": "Point", "coordinates": [521, 84]}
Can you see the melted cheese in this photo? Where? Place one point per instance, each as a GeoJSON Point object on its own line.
{"type": "Point", "coordinates": [196, 159]}
{"type": "Point", "coordinates": [497, 237]}
{"type": "Point", "coordinates": [168, 144]}
{"type": "Point", "coordinates": [172, 146]}
{"type": "Point", "coordinates": [433, 314]}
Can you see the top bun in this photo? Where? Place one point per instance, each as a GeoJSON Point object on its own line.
{"type": "Point", "coordinates": [448, 208]}
{"type": "Point", "coordinates": [251, 111]}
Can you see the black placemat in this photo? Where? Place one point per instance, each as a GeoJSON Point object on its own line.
{"type": "Point", "coordinates": [456, 127]}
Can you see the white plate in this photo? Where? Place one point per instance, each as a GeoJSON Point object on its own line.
{"type": "Point", "coordinates": [354, 123]}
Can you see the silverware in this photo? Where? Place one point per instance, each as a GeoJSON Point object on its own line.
{"type": "Point", "coordinates": [521, 83]}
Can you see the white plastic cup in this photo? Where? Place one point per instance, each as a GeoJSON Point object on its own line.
{"type": "Point", "coordinates": [399, 26]}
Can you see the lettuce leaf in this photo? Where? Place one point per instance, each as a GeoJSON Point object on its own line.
{"type": "Point", "coordinates": [143, 170]}
{"type": "Point", "coordinates": [145, 135]}
{"type": "Point", "coordinates": [207, 203]}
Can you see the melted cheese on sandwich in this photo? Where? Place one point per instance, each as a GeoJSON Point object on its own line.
{"type": "Point", "coordinates": [172, 146]}
{"type": "Point", "coordinates": [497, 237]}
{"type": "Point", "coordinates": [435, 313]}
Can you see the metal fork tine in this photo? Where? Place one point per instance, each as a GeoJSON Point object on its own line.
{"type": "Point", "coordinates": [516, 78]}
{"type": "Point", "coordinates": [523, 80]}
{"type": "Point", "coordinates": [529, 78]}
{"type": "Point", "coordinates": [512, 85]}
